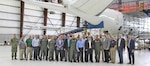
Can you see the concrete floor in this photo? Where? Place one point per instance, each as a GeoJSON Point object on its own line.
{"type": "Point", "coordinates": [142, 58]}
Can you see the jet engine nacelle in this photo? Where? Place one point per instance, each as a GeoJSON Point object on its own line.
{"type": "Point", "coordinates": [114, 21]}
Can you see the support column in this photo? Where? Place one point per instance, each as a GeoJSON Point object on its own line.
{"type": "Point", "coordinates": [59, 1]}
{"type": "Point", "coordinates": [63, 16]}
{"type": "Point", "coordinates": [21, 18]}
{"type": "Point", "coordinates": [120, 5]}
{"type": "Point", "coordinates": [85, 28]}
{"type": "Point", "coordinates": [63, 19]}
{"type": "Point", "coordinates": [45, 18]}
{"type": "Point", "coordinates": [137, 3]}
{"type": "Point", "coordinates": [78, 22]}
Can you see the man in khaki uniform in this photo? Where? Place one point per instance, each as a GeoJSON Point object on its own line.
{"type": "Point", "coordinates": [22, 49]}
{"type": "Point", "coordinates": [112, 49]}
{"type": "Point", "coordinates": [14, 43]}
{"type": "Point", "coordinates": [29, 47]}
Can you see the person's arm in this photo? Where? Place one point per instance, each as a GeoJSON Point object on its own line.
{"type": "Point", "coordinates": [40, 42]}
{"type": "Point", "coordinates": [133, 45]}
{"type": "Point", "coordinates": [115, 44]}
{"type": "Point", "coordinates": [124, 42]}
{"type": "Point", "coordinates": [32, 42]}
{"type": "Point", "coordinates": [11, 42]}
{"type": "Point", "coordinates": [26, 42]}
{"type": "Point", "coordinates": [77, 46]}
{"type": "Point", "coordinates": [108, 43]}
{"type": "Point", "coordinates": [83, 42]}
{"type": "Point", "coordinates": [47, 44]}
{"type": "Point", "coordinates": [57, 43]}
{"type": "Point", "coordinates": [19, 44]}
{"type": "Point", "coordinates": [62, 44]}
{"type": "Point", "coordinates": [93, 44]}
{"type": "Point", "coordinates": [85, 45]}
{"type": "Point", "coordinates": [47, 41]}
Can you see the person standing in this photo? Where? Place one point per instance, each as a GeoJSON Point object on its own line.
{"type": "Point", "coordinates": [63, 52]}
{"type": "Point", "coordinates": [131, 48]}
{"type": "Point", "coordinates": [72, 52]}
{"type": "Point", "coordinates": [22, 48]}
{"type": "Point", "coordinates": [106, 46]}
{"type": "Point", "coordinates": [36, 47]}
{"type": "Point", "coordinates": [89, 46]}
{"type": "Point", "coordinates": [98, 47]}
{"type": "Point", "coordinates": [14, 44]}
{"type": "Point", "coordinates": [59, 48]}
{"type": "Point", "coordinates": [84, 39]}
{"type": "Point", "coordinates": [67, 47]}
{"type": "Point", "coordinates": [112, 49]}
{"type": "Point", "coordinates": [120, 48]}
{"type": "Point", "coordinates": [43, 47]}
{"type": "Point", "coordinates": [79, 48]}
{"type": "Point", "coordinates": [49, 39]}
{"type": "Point", "coordinates": [29, 48]}
{"type": "Point", "coordinates": [51, 45]}
{"type": "Point", "coordinates": [102, 49]}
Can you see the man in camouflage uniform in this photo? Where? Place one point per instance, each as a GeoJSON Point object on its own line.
{"type": "Point", "coordinates": [14, 43]}
{"type": "Point", "coordinates": [73, 51]}
{"type": "Point", "coordinates": [51, 46]}
{"type": "Point", "coordinates": [98, 47]}
{"type": "Point", "coordinates": [43, 44]}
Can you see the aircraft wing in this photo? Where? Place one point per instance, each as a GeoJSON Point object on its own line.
{"type": "Point", "coordinates": [92, 7]}
{"type": "Point", "coordinates": [86, 9]}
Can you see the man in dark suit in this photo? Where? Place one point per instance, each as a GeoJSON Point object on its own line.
{"type": "Point", "coordinates": [67, 47]}
{"type": "Point", "coordinates": [120, 47]}
{"type": "Point", "coordinates": [89, 46]}
{"type": "Point", "coordinates": [131, 47]}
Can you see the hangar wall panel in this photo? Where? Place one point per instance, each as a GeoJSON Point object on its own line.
{"type": "Point", "coordinates": [10, 19]}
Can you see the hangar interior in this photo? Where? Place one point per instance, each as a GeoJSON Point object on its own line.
{"type": "Point", "coordinates": [136, 19]}
{"type": "Point", "coordinates": [17, 15]}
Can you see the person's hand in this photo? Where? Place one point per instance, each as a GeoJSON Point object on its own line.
{"type": "Point", "coordinates": [85, 49]}
{"type": "Point", "coordinates": [78, 50]}
{"type": "Point", "coordinates": [20, 48]}
{"type": "Point", "coordinates": [115, 46]}
{"type": "Point", "coordinates": [59, 46]}
{"type": "Point", "coordinates": [123, 49]}
{"type": "Point", "coordinates": [132, 51]}
{"type": "Point", "coordinates": [39, 45]}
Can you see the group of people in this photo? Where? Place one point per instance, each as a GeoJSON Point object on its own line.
{"type": "Point", "coordinates": [73, 49]}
